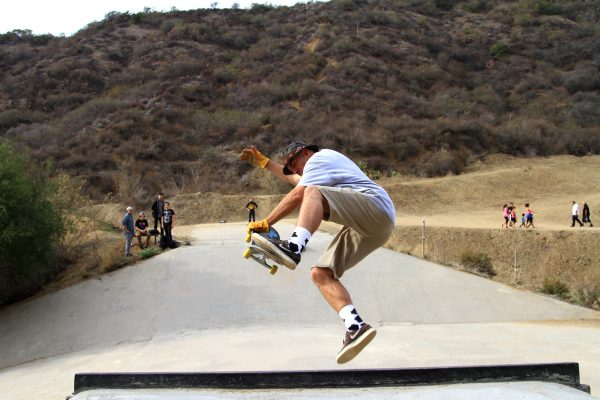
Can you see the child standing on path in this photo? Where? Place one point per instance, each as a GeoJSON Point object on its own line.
{"type": "Point", "coordinates": [522, 220]}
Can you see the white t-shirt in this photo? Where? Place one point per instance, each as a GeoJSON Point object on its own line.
{"type": "Point", "coordinates": [330, 168]}
{"type": "Point", "coordinates": [575, 209]}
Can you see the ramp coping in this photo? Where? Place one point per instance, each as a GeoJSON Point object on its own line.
{"type": "Point", "coordinates": [561, 373]}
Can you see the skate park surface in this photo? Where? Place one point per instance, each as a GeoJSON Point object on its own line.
{"type": "Point", "coordinates": [205, 308]}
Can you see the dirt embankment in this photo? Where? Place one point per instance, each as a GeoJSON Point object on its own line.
{"type": "Point", "coordinates": [527, 258]}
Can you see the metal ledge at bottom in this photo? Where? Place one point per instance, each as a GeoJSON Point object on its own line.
{"type": "Point", "coordinates": [561, 373]}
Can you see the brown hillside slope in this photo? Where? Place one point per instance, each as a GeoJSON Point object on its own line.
{"type": "Point", "coordinates": [152, 101]}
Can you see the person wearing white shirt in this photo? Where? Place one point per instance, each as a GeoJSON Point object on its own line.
{"type": "Point", "coordinates": [329, 186]}
{"type": "Point", "coordinates": [575, 214]}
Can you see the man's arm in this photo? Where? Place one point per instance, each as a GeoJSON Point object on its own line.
{"type": "Point", "coordinates": [289, 203]}
{"type": "Point", "coordinates": [252, 155]}
{"type": "Point", "coordinates": [277, 170]}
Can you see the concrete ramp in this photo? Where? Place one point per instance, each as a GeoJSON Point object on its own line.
{"type": "Point", "coordinates": [539, 381]}
{"type": "Point", "coordinates": [206, 308]}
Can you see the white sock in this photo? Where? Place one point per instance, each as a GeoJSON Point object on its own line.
{"type": "Point", "coordinates": [300, 238]}
{"type": "Point", "coordinates": [351, 318]}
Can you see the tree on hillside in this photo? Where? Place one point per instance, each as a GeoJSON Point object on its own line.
{"type": "Point", "coordinates": [30, 226]}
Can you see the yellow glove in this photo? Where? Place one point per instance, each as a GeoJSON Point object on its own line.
{"type": "Point", "coordinates": [251, 154]}
{"type": "Point", "coordinates": [258, 226]}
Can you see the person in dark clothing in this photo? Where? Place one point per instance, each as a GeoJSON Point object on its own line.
{"type": "Point", "coordinates": [251, 207]}
{"type": "Point", "coordinates": [158, 207]}
{"type": "Point", "coordinates": [168, 221]}
{"type": "Point", "coordinates": [141, 229]}
{"type": "Point", "coordinates": [586, 214]}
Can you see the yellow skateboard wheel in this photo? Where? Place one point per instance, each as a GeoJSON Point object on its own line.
{"type": "Point", "coordinates": [247, 253]}
{"type": "Point", "coordinates": [248, 238]}
{"type": "Point", "coordinates": [273, 270]}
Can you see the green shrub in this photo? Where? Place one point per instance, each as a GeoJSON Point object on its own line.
{"type": "Point", "coordinates": [545, 7]}
{"type": "Point", "coordinates": [445, 5]}
{"type": "Point", "coordinates": [554, 287]}
{"type": "Point", "coordinates": [586, 78]}
{"type": "Point", "coordinates": [148, 253]}
{"type": "Point", "coordinates": [32, 226]}
{"type": "Point", "coordinates": [499, 50]}
{"type": "Point", "coordinates": [10, 118]}
{"type": "Point", "coordinates": [225, 74]}
{"type": "Point", "coordinates": [589, 297]}
{"type": "Point", "coordinates": [478, 262]}
{"type": "Point", "coordinates": [478, 6]}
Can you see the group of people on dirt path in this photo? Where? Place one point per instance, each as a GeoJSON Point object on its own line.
{"type": "Point", "coordinates": [509, 212]}
{"type": "Point", "coordinates": [585, 214]}
{"type": "Point", "coordinates": [164, 218]}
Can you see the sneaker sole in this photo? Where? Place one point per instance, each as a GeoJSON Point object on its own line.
{"type": "Point", "coordinates": [274, 251]}
{"type": "Point", "coordinates": [352, 350]}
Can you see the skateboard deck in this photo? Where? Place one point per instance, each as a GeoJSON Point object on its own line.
{"type": "Point", "coordinates": [259, 251]}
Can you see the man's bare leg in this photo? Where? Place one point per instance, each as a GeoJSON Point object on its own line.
{"type": "Point", "coordinates": [331, 288]}
{"type": "Point", "coordinates": [358, 333]}
{"type": "Point", "coordinates": [313, 209]}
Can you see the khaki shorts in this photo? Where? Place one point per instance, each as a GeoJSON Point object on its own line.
{"type": "Point", "coordinates": [365, 229]}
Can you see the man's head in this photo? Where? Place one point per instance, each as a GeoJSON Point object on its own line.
{"type": "Point", "coordinates": [161, 195]}
{"type": "Point", "coordinates": [295, 155]}
{"type": "Point", "coordinates": [129, 210]}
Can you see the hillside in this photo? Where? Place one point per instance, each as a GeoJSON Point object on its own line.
{"type": "Point", "coordinates": [151, 101]}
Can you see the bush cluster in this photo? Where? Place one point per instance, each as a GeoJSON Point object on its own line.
{"type": "Point", "coordinates": [477, 262]}
{"type": "Point", "coordinates": [32, 226]}
{"type": "Point", "coordinates": [555, 287]}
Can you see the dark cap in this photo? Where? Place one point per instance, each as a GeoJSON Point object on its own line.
{"type": "Point", "coordinates": [291, 151]}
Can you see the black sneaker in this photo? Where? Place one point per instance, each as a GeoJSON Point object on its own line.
{"type": "Point", "coordinates": [280, 247]}
{"type": "Point", "coordinates": [355, 342]}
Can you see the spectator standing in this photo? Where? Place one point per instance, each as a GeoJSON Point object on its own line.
{"type": "Point", "coordinates": [128, 230]}
{"type": "Point", "coordinates": [141, 229]}
{"type": "Point", "coordinates": [505, 215]}
{"type": "Point", "coordinates": [586, 214]}
{"type": "Point", "coordinates": [575, 214]}
{"type": "Point", "coordinates": [528, 216]}
{"type": "Point", "coordinates": [168, 221]}
{"type": "Point", "coordinates": [251, 206]}
{"type": "Point", "coordinates": [158, 207]}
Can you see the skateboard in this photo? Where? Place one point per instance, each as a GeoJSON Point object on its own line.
{"type": "Point", "coordinates": [263, 254]}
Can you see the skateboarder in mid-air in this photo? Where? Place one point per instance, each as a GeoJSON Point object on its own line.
{"type": "Point", "coordinates": [329, 186]}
